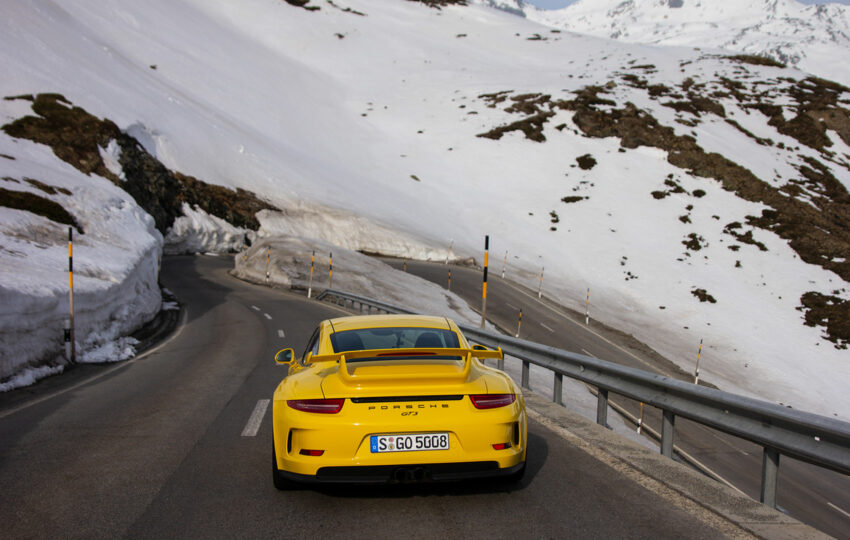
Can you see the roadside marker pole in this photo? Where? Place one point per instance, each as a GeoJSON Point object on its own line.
{"type": "Point", "coordinates": [540, 288]}
{"type": "Point", "coordinates": [268, 262]}
{"type": "Point", "coordinates": [450, 279]}
{"type": "Point", "coordinates": [451, 245]}
{"type": "Point", "coordinates": [640, 420]}
{"type": "Point", "coordinates": [331, 271]}
{"type": "Point", "coordinates": [519, 323]}
{"type": "Point", "coordinates": [69, 332]}
{"type": "Point", "coordinates": [484, 285]}
{"type": "Point", "coordinates": [312, 264]}
{"type": "Point", "coordinates": [404, 265]}
{"type": "Point", "coordinates": [504, 264]}
{"type": "Point", "coordinates": [587, 308]}
{"type": "Point", "coordinates": [696, 373]}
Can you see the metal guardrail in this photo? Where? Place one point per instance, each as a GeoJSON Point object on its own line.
{"type": "Point", "coordinates": [809, 437]}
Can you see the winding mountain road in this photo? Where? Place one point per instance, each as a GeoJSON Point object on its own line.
{"type": "Point", "coordinates": [176, 443]}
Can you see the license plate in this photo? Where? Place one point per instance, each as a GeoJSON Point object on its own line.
{"type": "Point", "coordinates": [414, 442]}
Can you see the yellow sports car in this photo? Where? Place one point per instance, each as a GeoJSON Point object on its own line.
{"type": "Point", "coordinates": [395, 398]}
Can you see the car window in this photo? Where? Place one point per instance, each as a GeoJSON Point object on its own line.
{"type": "Point", "coordinates": [393, 338]}
{"type": "Point", "coordinates": [312, 345]}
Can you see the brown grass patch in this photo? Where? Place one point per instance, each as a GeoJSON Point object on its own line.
{"type": "Point", "coordinates": [36, 204]}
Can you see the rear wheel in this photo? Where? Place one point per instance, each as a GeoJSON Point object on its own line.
{"type": "Point", "coordinates": [280, 482]}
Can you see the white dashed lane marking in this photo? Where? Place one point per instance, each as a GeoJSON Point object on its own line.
{"type": "Point", "coordinates": [838, 509]}
{"type": "Point", "coordinates": [255, 308]}
{"type": "Point", "coordinates": [253, 425]}
{"type": "Point", "coordinates": [267, 316]}
{"type": "Point", "coordinates": [547, 328]}
{"type": "Point", "coordinates": [281, 334]}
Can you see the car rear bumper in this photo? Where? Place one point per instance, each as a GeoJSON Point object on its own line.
{"type": "Point", "coordinates": [393, 474]}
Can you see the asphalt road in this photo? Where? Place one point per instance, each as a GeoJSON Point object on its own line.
{"type": "Point", "coordinates": [156, 448]}
{"type": "Point", "coordinates": [813, 495]}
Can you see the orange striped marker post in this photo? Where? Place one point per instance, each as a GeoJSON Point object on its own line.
{"type": "Point", "coordinates": [268, 262]}
{"type": "Point", "coordinates": [404, 265]}
{"type": "Point", "coordinates": [587, 308]}
{"type": "Point", "coordinates": [312, 265]}
{"type": "Point", "coordinates": [450, 279]}
{"type": "Point", "coordinates": [504, 264]}
{"type": "Point", "coordinates": [540, 288]}
{"type": "Point", "coordinates": [696, 373]}
{"type": "Point", "coordinates": [519, 323]}
{"type": "Point", "coordinates": [331, 271]}
{"type": "Point", "coordinates": [69, 332]}
{"type": "Point", "coordinates": [484, 284]}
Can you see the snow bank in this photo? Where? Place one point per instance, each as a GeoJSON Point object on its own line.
{"type": "Point", "coordinates": [349, 231]}
{"type": "Point", "coordinates": [115, 267]}
{"type": "Point", "coordinates": [199, 232]}
{"type": "Point", "coordinates": [288, 265]}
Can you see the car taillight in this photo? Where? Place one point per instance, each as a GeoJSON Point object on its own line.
{"type": "Point", "coordinates": [491, 401]}
{"type": "Point", "coordinates": [324, 406]}
{"type": "Point", "coordinates": [501, 446]}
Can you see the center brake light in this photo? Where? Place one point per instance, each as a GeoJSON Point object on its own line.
{"type": "Point", "coordinates": [323, 406]}
{"type": "Point", "coordinates": [491, 401]}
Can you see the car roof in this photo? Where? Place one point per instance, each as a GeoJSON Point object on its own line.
{"type": "Point", "coordinates": [342, 324]}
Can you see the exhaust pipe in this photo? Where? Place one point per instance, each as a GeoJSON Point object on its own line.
{"type": "Point", "coordinates": [400, 475]}
{"type": "Point", "coordinates": [404, 475]}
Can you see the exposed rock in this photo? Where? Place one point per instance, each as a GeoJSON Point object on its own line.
{"type": "Point", "coordinates": [76, 137]}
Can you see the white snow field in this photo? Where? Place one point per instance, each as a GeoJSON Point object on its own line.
{"type": "Point", "coordinates": [361, 125]}
{"type": "Point", "coordinates": [814, 38]}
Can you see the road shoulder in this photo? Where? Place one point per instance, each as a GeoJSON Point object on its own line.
{"type": "Point", "coordinates": [731, 513]}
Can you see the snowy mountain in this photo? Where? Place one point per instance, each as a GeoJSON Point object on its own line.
{"type": "Point", "coordinates": [698, 195]}
{"type": "Point", "coordinates": [814, 38]}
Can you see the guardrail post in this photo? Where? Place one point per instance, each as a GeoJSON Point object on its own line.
{"type": "Point", "coordinates": [602, 407]}
{"type": "Point", "coordinates": [667, 424]}
{"type": "Point", "coordinates": [557, 391]}
{"type": "Point", "coordinates": [525, 367]}
{"type": "Point", "coordinates": [769, 476]}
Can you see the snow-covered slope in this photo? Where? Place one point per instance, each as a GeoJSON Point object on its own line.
{"type": "Point", "coordinates": [815, 38]}
{"type": "Point", "coordinates": [425, 125]}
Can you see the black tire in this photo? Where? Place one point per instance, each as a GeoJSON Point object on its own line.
{"type": "Point", "coordinates": [281, 483]}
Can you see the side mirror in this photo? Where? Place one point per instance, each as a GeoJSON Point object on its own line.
{"type": "Point", "coordinates": [284, 357]}
{"type": "Point", "coordinates": [479, 348]}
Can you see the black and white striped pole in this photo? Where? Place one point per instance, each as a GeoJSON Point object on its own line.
{"type": "Point", "coordinates": [312, 265]}
{"type": "Point", "coordinates": [587, 308]}
{"type": "Point", "coordinates": [696, 373]}
{"type": "Point", "coordinates": [519, 323]}
{"type": "Point", "coordinates": [70, 338]}
{"type": "Point", "coordinates": [484, 284]}
{"type": "Point", "coordinates": [640, 420]}
{"type": "Point", "coordinates": [540, 288]}
{"type": "Point", "coordinates": [448, 254]}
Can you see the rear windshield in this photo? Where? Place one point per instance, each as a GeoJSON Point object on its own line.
{"type": "Point", "coordinates": [393, 338]}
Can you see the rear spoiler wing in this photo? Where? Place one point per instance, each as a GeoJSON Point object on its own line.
{"type": "Point", "coordinates": [425, 354]}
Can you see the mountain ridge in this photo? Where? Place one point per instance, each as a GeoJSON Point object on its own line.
{"type": "Point", "coordinates": [810, 37]}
